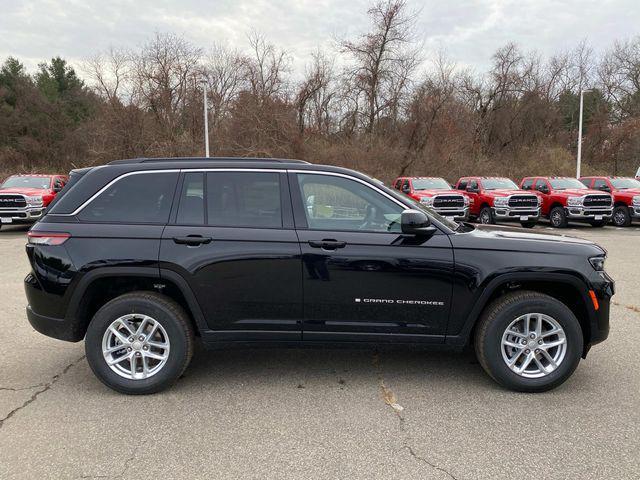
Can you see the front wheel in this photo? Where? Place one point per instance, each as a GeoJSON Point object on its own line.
{"type": "Point", "coordinates": [486, 216]}
{"type": "Point", "coordinates": [139, 343]}
{"type": "Point", "coordinates": [558, 217]}
{"type": "Point", "coordinates": [528, 341]}
{"type": "Point", "coordinates": [621, 216]}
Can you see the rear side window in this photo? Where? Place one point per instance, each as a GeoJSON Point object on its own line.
{"type": "Point", "coordinates": [137, 198]}
{"type": "Point", "coordinates": [244, 199]}
{"type": "Point", "coordinates": [191, 208]}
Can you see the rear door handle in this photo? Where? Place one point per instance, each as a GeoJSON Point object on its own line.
{"type": "Point", "coordinates": [327, 244]}
{"type": "Point", "coordinates": [192, 240]}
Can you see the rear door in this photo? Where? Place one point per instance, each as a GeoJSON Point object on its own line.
{"type": "Point", "coordinates": [231, 237]}
{"type": "Point", "coordinates": [363, 280]}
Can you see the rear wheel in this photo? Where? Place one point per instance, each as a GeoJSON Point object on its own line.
{"type": "Point", "coordinates": [486, 216]}
{"type": "Point", "coordinates": [528, 341]}
{"type": "Point", "coordinates": [621, 216]}
{"type": "Point", "coordinates": [139, 343]}
{"type": "Point", "coordinates": [558, 217]}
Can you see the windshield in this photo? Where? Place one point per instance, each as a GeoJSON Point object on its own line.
{"type": "Point", "coordinates": [624, 183]}
{"type": "Point", "coordinates": [498, 184]}
{"type": "Point", "coordinates": [565, 183]}
{"type": "Point", "coordinates": [430, 184]}
{"type": "Point", "coordinates": [25, 181]}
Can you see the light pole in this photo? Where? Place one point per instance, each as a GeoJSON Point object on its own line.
{"type": "Point", "coordinates": [579, 161]}
{"type": "Point", "coordinates": [203, 82]}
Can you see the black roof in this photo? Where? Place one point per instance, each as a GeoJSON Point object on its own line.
{"type": "Point", "coordinates": [208, 159]}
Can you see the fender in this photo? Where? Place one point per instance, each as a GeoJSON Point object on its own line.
{"type": "Point", "coordinates": [462, 338]}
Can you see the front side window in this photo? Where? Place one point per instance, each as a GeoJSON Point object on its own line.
{"type": "Point", "coordinates": [462, 185]}
{"type": "Point", "coordinates": [499, 184]}
{"type": "Point", "coordinates": [137, 198]}
{"type": "Point", "coordinates": [527, 184]}
{"type": "Point", "coordinates": [244, 199]}
{"type": "Point", "coordinates": [338, 203]}
{"type": "Point", "coordinates": [599, 183]}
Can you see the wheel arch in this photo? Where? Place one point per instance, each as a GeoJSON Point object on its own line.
{"type": "Point", "coordinates": [569, 289]}
{"type": "Point", "coordinates": [99, 286]}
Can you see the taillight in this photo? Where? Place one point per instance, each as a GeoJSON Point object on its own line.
{"type": "Point", "coordinates": [47, 238]}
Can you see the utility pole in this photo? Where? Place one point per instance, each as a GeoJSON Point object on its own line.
{"type": "Point", "coordinates": [206, 118]}
{"type": "Point", "coordinates": [579, 160]}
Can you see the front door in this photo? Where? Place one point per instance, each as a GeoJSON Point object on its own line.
{"type": "Point", "coordinates": [232, 239]}
{"type": "Point", "coordinates": [362, 279]}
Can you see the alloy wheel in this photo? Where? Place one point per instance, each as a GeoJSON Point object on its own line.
{"type": "Point", "coordinates": [534, 345]}
{"type": "Point", "coordinates": [135, 346]}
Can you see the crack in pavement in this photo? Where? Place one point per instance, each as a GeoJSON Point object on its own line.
{"type": "Point", "coordinates": [390, 399]}
{"type": "Point", "coordinates": [127, 463]}
{"type": "Point", "coordinates": [35, 395]}
{"type": "Point", "coordinates": [633, 308]}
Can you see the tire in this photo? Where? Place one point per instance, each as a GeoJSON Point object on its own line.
{"type": "Point", "coordinates": [500, 314]}
{"type": "Point", "coordinates": [598, 223]}
{"type": "Point", "coordinates": [621, 216]}
{"type": "Point", "coordinates": [558, 217]}
{"type": "Point", "coordinates": [528, 224]}
{"type": "Point", "coordinates": [177, 350]}
{"type": "Point", "coordinates": [486, 216]}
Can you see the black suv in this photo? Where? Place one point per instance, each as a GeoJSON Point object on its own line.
{"type": "Point", "coordinates": [140, 257]}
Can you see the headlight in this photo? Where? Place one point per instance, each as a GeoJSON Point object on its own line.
{"type": "Point", "coordinates": [636, 200]}
{"type": "Point", "coordinates": [466, 201]}
{"type": "Point", "coordinates": [33, 200]}
{"type": "Point", "coordinates": [575, 201]}
{"type": "Point", "coordinates": [426, 201]}
{"type": "Point", "coordinates": [598, 263]}
{"type": "Point", "coordinates": [501, 201]}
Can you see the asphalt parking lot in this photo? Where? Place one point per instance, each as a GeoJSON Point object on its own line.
{"type": "Point", "coordinates": [307, 413]}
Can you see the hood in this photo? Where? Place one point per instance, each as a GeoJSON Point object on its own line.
{"type": "Point", "coordinates": [25, 191]}
{"type": "Point", "coordinates": [431, 193]}
{"type": "Point", "coordinates": [505, 192]}
{"type": "Point", "coordinates": [629, 192]}
{"type": "Point", "coordinates": [494, 237]}
{"type": "Point", "coordinates": [579, 192]}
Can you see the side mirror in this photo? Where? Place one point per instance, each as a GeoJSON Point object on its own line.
{"type": "Point", "coordinates": [605, 188]}
{"type": "Point", "coordinates": [543, 189]}
{"type": "Point", "coordinates": [415, 222]}
{"type": "Point", "coordinates": [471, 189]}
{"type": "Point", "coordinates": [406, 189]}
{"type": "Point", "coordinates": [57, 188]}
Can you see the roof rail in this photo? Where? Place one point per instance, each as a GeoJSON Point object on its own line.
{"type": "Point", "coordinates": [207, 159]}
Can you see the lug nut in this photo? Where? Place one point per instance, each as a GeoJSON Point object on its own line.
{"type": "Point", "coordinates": [138, 354]}
{"type": "Point", "coordinates": [141, 338]}
{"type": "Point", "coordinates": [527, 351]}
{"type": "Point", "coordinates": [537, 350]}
{"type": "Point", "coordinates": [524, 342]}
{"type": "Point", "coordinates": [128, 349]}
{"type": "Point", "coordinates": [146, 347]}
{"type": "Point", "coordinates": [131, 339]}
{"type": "Point", "coordinates": [533, 335]}
{"type": "Point", "coordinates": [540, 342]}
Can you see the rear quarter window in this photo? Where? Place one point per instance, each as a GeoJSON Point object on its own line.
{"type": "Point", "coordinates": [137, 198]}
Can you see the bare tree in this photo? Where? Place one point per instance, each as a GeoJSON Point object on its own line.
{"type": "Point", "coordinates": [109, 72]}
{"type": "Point", "coordinates": [315, 94]}
{"type": "Point", "coordinates": [384, 60]}
{"type": "Point", "coordinates": [266, 68]}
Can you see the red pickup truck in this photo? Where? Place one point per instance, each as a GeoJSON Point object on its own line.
{"type": "Point", "coordinates": [566, 199]}
{"type": "Point", "coordinates": [436, 193]}
{"type": "Point", "coordinates": [496, 199]}
{"type": "Point", "coordinates": [626, 196]}
{"type": "Point", "coordinates": [24, 197]}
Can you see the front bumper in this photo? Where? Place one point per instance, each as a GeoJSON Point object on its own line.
{"type": "Point", "coordinates": [21, 214]}
{"type": "Point", "coordinates": [516, 214]}
{"type": "Point", "coordinates": [604, 289]}
{"type": "Point", "coordinates": [589, 213]}
{"type": "Point", "coordinates": [455, 213]}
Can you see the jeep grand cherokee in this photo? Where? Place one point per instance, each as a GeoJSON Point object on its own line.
{"type": "Point", "coordinates": [141, 257]}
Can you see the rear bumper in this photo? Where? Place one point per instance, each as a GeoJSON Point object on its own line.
{"type": "Point", "coordinates": [53, 327]}
{"type": "Point", "coordinates": [507, 214]}
{"type": "Point", "coordinates": [21, 215]}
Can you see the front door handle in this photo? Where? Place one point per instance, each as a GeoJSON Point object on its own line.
{"type": "Point", "coordinates": [192, 240]}
{"type": "Point", "coordinates": [327, 244]}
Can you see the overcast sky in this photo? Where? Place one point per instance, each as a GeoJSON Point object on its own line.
{"type": "Point", "coordinates": [469, 30]}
